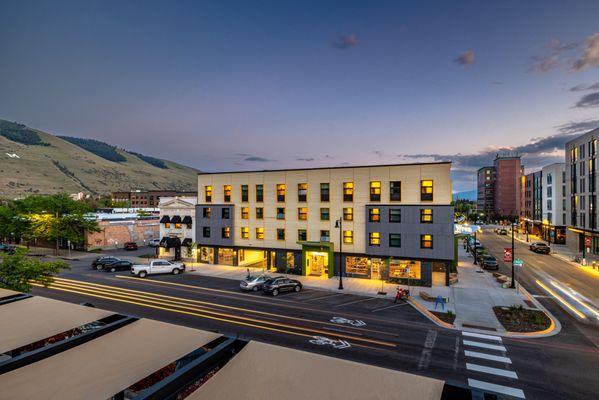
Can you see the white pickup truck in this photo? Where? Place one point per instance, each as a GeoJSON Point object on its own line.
{"type": "Point", "coordinates": [157, 267]}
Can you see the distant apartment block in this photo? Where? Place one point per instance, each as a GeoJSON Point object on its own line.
{"type": "Point", "coordinates": [581, 194]}
{"type": "Point", "coordinates": [395, 222]}
{"type": "Point", "coordinates": [553, 207]}
{"type": "Point", "coordinates": [499, 187]}
{"type": "Point", "coordinates": [147, 198]}
{"type": "Point", "coordinates": [485, 196]}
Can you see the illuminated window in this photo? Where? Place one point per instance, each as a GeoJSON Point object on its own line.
{"type": "Point", "coordinates": [208, 194]}
{"type": "Point", "coordinates": [280, 212]}
{"type": "Point", "coordinates": [280, 234]}
{"type": "Point", "coordinates": [375, 191]}
{"type": "Point", "coordinates": [324, 192]}
{"type": "Point", "coordinates": [348, 214]}
{"type": "Point", "coordinates": [426, 190]}
{"type": "Point", "coordinates": [426, 216]}
{"type": "Point", "coordinates": [394, 240]}
{"type": "Point", "coordinates": [245, 232]}
{"type": "Point", "coordinates": [178, 225]}
{"type": "Point", "coordinates": [374, 215]}
{"type": "Point", "coordinates": [260, 233]}
{"type": "Point", "coordinates": [302, 192]}
{"type": "Point", "coordinates": [226, 232]}
{"type": "Point", "coordinates": [348, 191]}
{"type": "Point", "coordinates": [395, 191]}
{"type": "Point", "coordinates": [348, 237]}
{"type": "Point", "coordinates": [302, 235]}
{"type": "Point", "coordinates": [426, 241]}
{"type": "Point", "coordinates": [259, 213]}
{"type": "Point", "coordinates": [374, 239]}
{"type": "Point", "coordinates": [245, 193]}
{"type": "Point", "coordinates": [260, 193]}
{"type": "Point", "coordinates": [227, 193]}
{"type": "Point", "coordinates": [167, 225]}
{"type": "Point", "coordinates": [325, 236]}
{"type": "Point", "coordinates": [324, 214]}
{"type": "Point", "coordinates": [281, 192]}
{"type": "Point", "coordinates": [245, 212]}
{"type": "Point", "coordinates": [302, 213]}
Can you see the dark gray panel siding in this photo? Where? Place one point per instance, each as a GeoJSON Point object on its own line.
{"type": "Point", "coordinates": [216, 223]}
{"type": "Point", "coordinates": [410, 228]}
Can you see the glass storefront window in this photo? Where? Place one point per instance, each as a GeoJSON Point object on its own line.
{"type": "Point", "coordinates": [207, 255]}
{"type": "Point", "coordinates": [404, 269]}
{"type": "Point", "coordinates": [227, 256]}
{"type": "Point", "coordinates": [357, 266]}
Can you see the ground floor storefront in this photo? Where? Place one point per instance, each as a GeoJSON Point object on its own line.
{"type": "Point", "coordinates": [318, 259]}
{"type": "Point", "coordinates": [553, 234]}
{"type": "Point", "coordinates": [585, 243]}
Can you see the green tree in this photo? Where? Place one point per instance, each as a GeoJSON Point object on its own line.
{"type": "Point", "coordinates": [192, 246]}
{"type": "Point", "coordinates": [18, 270]}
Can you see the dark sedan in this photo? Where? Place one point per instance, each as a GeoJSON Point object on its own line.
{"type": "Point", "coordinates": [122, 265]}
{"type": "Point", "coordinates": [540, 247]}
{"type": "Point", "coordinates": [277, 285]}
{"type": "Point", "coordinates": [489, 262]}
{"type": "Point", "coordinates": [100, 262]}
{"type": "Point", "coordinates": [130, 246]}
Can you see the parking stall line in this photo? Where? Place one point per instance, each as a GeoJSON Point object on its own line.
{"type": "Point", "coordinates": [388, 307]}
{"type": "Point", "coordinates": [491, 370]}
{"type": "Point", "coordinates": [357, 301]}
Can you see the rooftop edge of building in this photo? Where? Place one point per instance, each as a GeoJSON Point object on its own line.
{"type": "Point", "coordinates": [578, 137]}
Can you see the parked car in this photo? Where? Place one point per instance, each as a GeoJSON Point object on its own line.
{"type": "Point", "coordinates": [157, 267]}
{"type": "Point", "coordinates": [7, 248]}
{"type": "Point", "coordinates": [130, 246]}
{"type": "Point", "coordinates": [253, 283]}
{"type": "Point", "coordinates": [99, 262]}
{"type": "Point", "coordinates": [275, 286]}
{"type": "Point", "coordinates": [154, 242]}
{"type": "Point", "coordinates": [540, 247]}
{"type": "Point", "coordinates": [503, 232]}
{"type": "Point", "coordinates": [489, 262]}
{"type": "Point", "coordinates": [122, 265]}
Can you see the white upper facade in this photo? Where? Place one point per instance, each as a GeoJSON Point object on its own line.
{"type": "Point", "coordinates": [554, 194]}
{"type": "Point", "coordinates": [183, 206]}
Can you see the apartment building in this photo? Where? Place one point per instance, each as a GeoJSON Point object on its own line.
{"type": "Point", "coordinates": [177, 227]}
{"type": "Point", "coordinates": [390, 222]}
{"type": "Point", "coordinates": [146, 198]}
{"type": "Point", "coordinates": [485, 194]}
{"type": "Point", "coordinates": [553, 228]}
{"type": "Point", "coordinates": [581, 195]}
{"type": "Point", "coordinates": [499, 191]}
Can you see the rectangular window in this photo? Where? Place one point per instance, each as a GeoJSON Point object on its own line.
{"type": "Point", "coordinates": [280, 234]}
{"type": "Point", "coordinates": [426, 190]}
{"type": "Point", "coordinates": [206, 231]}
{"type": "Point", "coordinates": [302, 235]}
{"type": "Point", "coordinates": [206, 211]}
{"type": "Point", "coordinates": [260, 233]}
{"type": "Point", "coordinates": [280, 212]}
{"type": "Point", "coordinates": [259, 213]}
{"type": "Point", "coordinates": [245, 213]}
{"type": "Point", "coordinates": [374, 239]}
{"type": "Point", "coordinates": [302, 213]}
{"type": "Point", "coordinates": [302, 192]}
{"type": "Point", "coordinates": [245, 193]}
{"type": "Point", "coordinates": [395, 215]}
{"type": "Point", "coordinates": [348, 191]}
{"type": "Point", "coordinates": [208, 194]}
{"type": "Point", "coordinates": [348, 237]}
{"type": "Point", "coordinates": [324, 192]}
{"type": "Point", "coordinates": [394, 240]}
{"type": "Point", "coordinates": [245, 232]}
{"type": "Point", "coordinates": [325, 236]}
{"type": "Point", "coordinates": [167, 225]}
{"type": "Point", "coordinates": [426, 241]}
{"type": "Point", "coordinates": [226, 232]}
{"type": "Point", "coordinates": [225, 213]}
{"type": "Point", "coordinates": [281, 189]}
{"type": "Point", "coordinates": [178, 225]}
{"type": "Point", "coordinates": [375, 191]}
{"type": "Point", "coordinates": [348, 214]}
{"type": "Point", "coordinates": [259, 193]}
{"type": "Point", "coordinates": [395, 191]}
{"type": "Point", "coordinates": [374, 215]}
{"type": "Point", "coordinates": [426, 215]}
{"type": "Point", "coordinates": [325, 214]}
{"type": "Point", "coordinates": [227, 193]}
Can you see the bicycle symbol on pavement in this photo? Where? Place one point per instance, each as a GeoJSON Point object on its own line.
{"type": "Point", "coordinates": [352, 322]}
{"type": "Point", "coordinates": [325, 341]}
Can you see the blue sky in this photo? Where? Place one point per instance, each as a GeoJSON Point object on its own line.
{"type": "Point", "coordinates": [222, 85]}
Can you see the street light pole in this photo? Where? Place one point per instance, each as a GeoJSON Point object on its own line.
{"type": "Point", "coordinates": [513, 284]}
{"type": "Point", "coordinates": [475, 247]}
{"type": "Point", "coordinates": [339, 224]}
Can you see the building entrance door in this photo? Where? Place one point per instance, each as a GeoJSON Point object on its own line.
{"type": "Point", "coordinates": [317, 263]}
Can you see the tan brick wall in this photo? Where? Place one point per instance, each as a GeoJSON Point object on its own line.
{"type": "Point", "coordinates": [116, 233]}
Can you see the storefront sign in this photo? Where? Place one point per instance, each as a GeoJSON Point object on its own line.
{"type": "Point", "coordinates": [588, 241]}
{"type": "Point", "coordinates": [507, 254]}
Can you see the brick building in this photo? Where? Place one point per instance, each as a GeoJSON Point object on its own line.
{"type": "Point", "coordinates": [147, 198]}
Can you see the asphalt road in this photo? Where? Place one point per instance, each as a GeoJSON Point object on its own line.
{"type": "Point", "coordinates": [368, 330]}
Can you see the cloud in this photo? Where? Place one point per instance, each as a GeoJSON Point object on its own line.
{"type": "Point", "coordinates": [579, 127]}
{"type": "Point", "coordinates": [257, 159]}
{"type": "Point", "coordinates": [582, 87]}
{"type": "Point", "coordinates": [243, 155]}
{"type": "Point", "coordinates": [308, 159]}
{"type": "Point", "coordinates": [345, 42]}
{"type": "Point", "coordinates": [556, 46]}
{"type": "Point", "coordinates": [590, 57]}
{"type": "Point", "coordinates": [550, 59]}
{"type": "Point", "coordinates": [543, 64]}
{"type": "Point", "coordinates": [588, 100]}
{"type": "Point", "coordinates": [466, 58]}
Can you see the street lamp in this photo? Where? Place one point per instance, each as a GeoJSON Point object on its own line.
{"type": "Point", "coordinates": [339, 224]}
{"type": "Point", "coordinates": [475, 246]}
{"type": "Point", "coordinates": [513, 284]}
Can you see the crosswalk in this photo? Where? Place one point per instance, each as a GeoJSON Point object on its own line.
{"type": "Point", "coordinates": [488, 365]}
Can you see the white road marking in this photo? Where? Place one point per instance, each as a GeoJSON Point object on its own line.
{"type": "Point", "coordinates": [328, 296]}
{"type": "Point", "coordinates": [510, 391]}
{"type": "Point", "coordinates": [490, 370]}
{"type": "Point", "coordinates": [487, 356]}
{"type": "Point", "coordinates": [356, 301]}
{"type": "Point", "coordinates": [484, 345]}
{"type": "Point", "coordinates": [391, 306]}
{"type": "Point", "coordinates": [482, 336]}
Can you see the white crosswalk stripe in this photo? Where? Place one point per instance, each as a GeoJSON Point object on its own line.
{"type": "Point", "coordinates": [482, 336]}
{"type": "Point", "coordinates": [486, 356]}
{"type": "Point", "coordinates": [510, 391]}
{"type": "Point", "coordinates": [490, 370]}
{"type": "Point", "coordinates": [484, 345]}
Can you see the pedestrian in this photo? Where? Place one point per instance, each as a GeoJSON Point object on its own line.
{"type": "Point", "coordinates": [248, 269]}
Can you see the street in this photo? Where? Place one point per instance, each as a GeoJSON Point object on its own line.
{"type": "Point", "coordinates": [364, 329]}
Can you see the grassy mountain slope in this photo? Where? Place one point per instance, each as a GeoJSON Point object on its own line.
{"type": "Point", "coordinates": [60, 166]}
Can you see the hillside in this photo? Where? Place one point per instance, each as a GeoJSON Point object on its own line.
{"type": "Point", "coordinates": [32, 161]}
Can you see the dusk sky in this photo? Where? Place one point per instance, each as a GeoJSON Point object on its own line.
{"type": "Point", "coordinates": [224, 85]}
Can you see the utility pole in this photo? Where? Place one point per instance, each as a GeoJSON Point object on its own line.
{"type": "Point", "coordinates": [339, 224]}
{"type": "Point", "coordinates": [513, 284]}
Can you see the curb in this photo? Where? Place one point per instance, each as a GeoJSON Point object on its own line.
{"type": "Point", "coordinates": [424, 311]}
